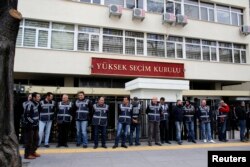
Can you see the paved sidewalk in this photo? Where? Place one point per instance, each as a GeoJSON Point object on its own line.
{"type": "Point", "coordinates": [188, 155]}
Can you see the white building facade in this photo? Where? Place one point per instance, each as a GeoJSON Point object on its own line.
{"type": "Point", "coordinates": [59, 39]}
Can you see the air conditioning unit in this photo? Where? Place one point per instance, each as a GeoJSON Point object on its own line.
{"type": "Point", "coordinates": [138, 14]}
{"type": "Point", "coordinates": [115, 10]}
{"type": "Point", "coordinates": [168, 18]}
{"type": "Point", "coordinates": [181, 19]}
{"type": "Point", "coordinates": [245, 30]}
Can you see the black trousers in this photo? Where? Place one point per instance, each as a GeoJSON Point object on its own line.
{"type": "Point", "coordinates": [164, 131]}
{"type": "Point", "coordinates": [31, 139]}
{"type": "Point", "coordinates": [63, 133]}
{"type": "Point", "coordinates": [153, 129]}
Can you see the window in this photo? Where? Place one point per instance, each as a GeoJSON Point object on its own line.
{"type": "Point", "coordinates": [155, 45]}
{"type": "Point", "coordinates": [91, 1]}
{"type": "Point", "coordinates": [209, 50]}
{"type": "Point", "coordinates": [207, 11]}
{"type": "Point", "coordinates": [223, 14]}
{"type": "Point", "coordinates": [134, 43]}
{"type": "Point", "coordinates": [174, 47]}
{"type": "Point", "coordinates": [173, 6]}
{"type": "Point", "coordinates": [42, 34]}
{"type": "Point", "coordinates": [156, 6]}
{"type": "Point", "coordinates": [236, 16]}
{"type": "Point", "coordinates": [19, 39]}
{"type": "Point", "coordinates": [193, 49]}
{"type": "Point", "coordinates": [116, 2]}
{"type": "Point", "coordinates": [88, 38]}
{"type": "Point", "coordinates": [131, 4]}
{"type": "Point", "coordinates": [112, 41]}
{"type": "Point", "coordinates": [36, 34]}
{"type": "Point", "coordinates": [239, 53]}
{"type": "Point", "coordinates": [225, 52]}
{"type": "Point", "coordinates": [62, 36]}
{"type": "Point", "coordinates": [243, 57]}
{"type": "Point", "coordinates": [191, 9]}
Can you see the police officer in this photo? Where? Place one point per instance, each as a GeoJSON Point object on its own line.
{"type": "Point", "coordinates": [164, 124]}
{"type": "Point", "coordinates": [124, 121]}
{"type": "Point", "coordinates": [247, 125]}
{"type": "Point", "coordinates": [241, 115]}
{"type": "Point", "coordinates": [23, 122]}
{"type": "Point", "coordinates": [100, 121]}
{"type": "Point", "coordinates": [189, 115]}
{"type": "Point", "coordinates": [223, 111]}
{"type": "Point", "coordinates": [205, 119]}
{"type": "Point", "coordinates": [178, 118]}
{"type": "Point", "coordinates": [153, 111]}
{"type": "Point", "coordinates": [31, 117]}
{"type": "Point", "coordinates": [47, 109]}
{"type": "Point", "coordinates": [64, 117]}
{"type": "Point", "coordinates": [135, 123]}
{"type": "Point", "coordinates": [83, 107]}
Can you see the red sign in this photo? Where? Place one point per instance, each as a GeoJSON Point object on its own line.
{"type": "Point", "coordinates": [102, 66]}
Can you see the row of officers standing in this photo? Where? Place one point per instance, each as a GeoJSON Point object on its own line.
{"type": "Point", "coordinates": [39, 114]}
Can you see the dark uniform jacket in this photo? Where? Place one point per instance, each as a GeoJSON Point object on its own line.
{"type": "Point", "coordinates": [178, 113]}
{"type": "Point", "coordinates": [47, 110]}
{"type": "Point", "coordinates": [153, 111]}
{"type": "Point", "coordinates": [136, 112]}
{"type": "Point", "coordinates": [31, 114]}
{"type": "Point", "coordinates": [125, 113]}
{"type": "Point", "coordinates": [100, 114]}
{"type": "Point", "coordinates": [64, 112]}
{"type": "Point", "coordinates": [83, 109]}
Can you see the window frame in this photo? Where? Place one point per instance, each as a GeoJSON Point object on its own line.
{"type": "Point", "coordinates": [65, 31]}
{"type": "Point", "coordinates": [135, 45]}
{"type": "Point", "coordinates": [112, 35]}
{"type": "Point", "coordinates": [37, 29]}
{"type": "Point", "coordinates": [89, 38]}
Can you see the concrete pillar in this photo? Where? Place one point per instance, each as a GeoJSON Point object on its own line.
{"type": "Point", "coordinates": [218, 86]}
{"type": "Point", "coordinates": [68, 81]}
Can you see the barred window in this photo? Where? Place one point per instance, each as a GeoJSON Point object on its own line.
{"type": "Point", "coordinates": [112, 41]}
{"type": "Point", "coordinates": [223, 14]}
{"type": "Point", "coordinates": [193, 49]}
{"type": "Point", "coordinates": [236, 16]}
{"type": "Point", "coordinates": [193, 52]}
{"type": "Point", "coordinates": [225, 55]}
{"type": "Point", "coordinates": [173, 6]}
{"type": "Point", "coordinates": [174, 47]}
{"type": "Point", "coordinates": [88, 38]}
{"type": "Point", "coordinates": [207, 11]}
{"type": "Point", "coordinates": [155, 45]}
{"type": "Point", "coordinates": [91, 1]}
{"type": "Point", "coordinates": [209, 50]}
{"type": "Point", "coordinates": [236, 56]}
{"type": "Point", "coordinates": [117, 2]}
{"type": "Point", "coordinates": [156, 6]}
{"type": "Point", "coordinates": [225, 52]}
{"type": "Point", "coordinates": [243, 57]}
{"type": "Point", "coordinates": [134, 43]}
{"type": "Point", "coordinates": [239, 53]}
{"type": "Point", "coordinates": [191, 9]}
{"type": "Point", "coordinates": [62, 36]}
{"type": "Point", "coordinates": [170, 50]}
{"type": "Point", "coordinates": [131, 4]}
{"type": "Point", "coordinates": [213, 53]}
